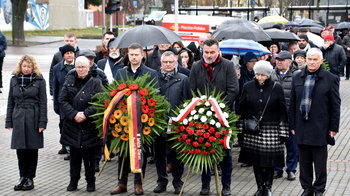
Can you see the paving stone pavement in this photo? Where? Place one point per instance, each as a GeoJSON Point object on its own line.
{"type": "Point", "coordinates": [53, 172]}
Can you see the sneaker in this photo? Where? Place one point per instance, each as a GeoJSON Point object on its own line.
{"type": "Point", "coordinates": [277, 174]}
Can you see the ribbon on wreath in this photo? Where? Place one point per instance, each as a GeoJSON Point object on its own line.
{"type": "Point", "coordinates": [218, 112]}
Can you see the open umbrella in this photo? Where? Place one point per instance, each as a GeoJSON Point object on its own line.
{"type": "Point", "coordinates": [233, 23]}
{"type": "Point", "coordinates": [243, 31]}
{"type": "Point", "coordinates": [342, 25]}
{"type": "Point", "coordinates": [269, 25]}
{"type": "Point", "coordinates": [316, 30]}
{"type": "Point", "coordinates": [275, 18]}
{"type": "Point", "coordinates": [240, 47]}
{"type": "Point", "coordinates": [315, 39]}
{"type": "Point", "coordinates": [146, 35]}
{"type": "Point", "coordinates": [281, 35]}
{"type": "Point", "coordinates": [309, 23]}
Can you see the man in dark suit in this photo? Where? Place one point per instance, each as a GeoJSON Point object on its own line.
{"type": "Point", "coordinates": [314, 119]}
{"type": "Point", "coordinates": [215, 72]}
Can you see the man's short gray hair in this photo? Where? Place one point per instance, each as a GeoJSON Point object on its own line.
{"type": "Point", "coordinates": [313, 51]}
{"type": "Point", "coordinates": [83, 60]}
{"type": "Point", "coordinates": [167, 53]}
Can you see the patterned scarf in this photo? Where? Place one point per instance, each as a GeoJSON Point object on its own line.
{"type": "Point", "coordinates": [210, 67]}
{"type": "Point", "coordinates": [24, 80]}
{"type": "Point", "coordinates": [168, 75]}
{"type": "Point", "coordinates": [306, 98]}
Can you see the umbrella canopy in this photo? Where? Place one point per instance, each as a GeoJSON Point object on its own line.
{"type": "Point", "coordinates": [275, 18]}
{"type": "Point", "coordinates": [342, 25]}
{"type": "Point", "coordinates": [242, 31]}
{"type": "Point", "coordinates": [281, 35]}
{"type": "Point", "coordinates": [315, 39]}
{"type": "Point", "coordinates": [316, 30]}
{"type": "Point", "coordinates": [233, 23]}
{"type": "Point", "coordinates": [146, 35]}
{"type": "Point", "coordinates": [240, 47]}
{"type": "Point", "coordinates": [269, 25]}
{"type": "Point", "coordinates": [309, 23]}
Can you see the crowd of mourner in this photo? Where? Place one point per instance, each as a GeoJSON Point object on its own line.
{"type": "Point", "coordinates": [293, 94]}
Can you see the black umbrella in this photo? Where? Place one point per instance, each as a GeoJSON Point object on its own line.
{"type": "Point", "coordinates": [242, 31]}
{"type": "Point", "coordinates": [342, 25]}
{"type": "Point", "coordinates": [145, 35]}
{"type": "Point", "coordinates": [270, 25]}
{"type": "Point", "coordinates": [237, 22]}
{"type": "Point", "coordinates": [309, 23]}
{"type": "Point", "coordinates": [316, 30]}
{"type": "Point", "coordinates": [281, 35]}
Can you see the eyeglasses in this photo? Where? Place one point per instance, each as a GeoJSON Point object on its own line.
{"type": "Point", "coordinates": [166, 62]}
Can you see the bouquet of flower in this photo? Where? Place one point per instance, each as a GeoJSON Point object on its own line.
{"type": "Point", "coordinates": [202, 129]}
{"type": "Point", "coordinates": [128, 111]}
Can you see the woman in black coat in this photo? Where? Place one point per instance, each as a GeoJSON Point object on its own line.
{"type": "Point", "coordinates": [27, 118]}
{"type": "Point", "coordinates": [264, 150]}
{"type": "Point", "coordinates": [78, 130]}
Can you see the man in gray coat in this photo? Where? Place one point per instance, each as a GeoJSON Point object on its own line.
{"type": "Point", "coordinates": [214, 72]}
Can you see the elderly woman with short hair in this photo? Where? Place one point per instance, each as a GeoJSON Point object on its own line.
{"type": "Point", "coordinates": [78, 130]}
{"type": "Point", "coordinates": [263, 149]}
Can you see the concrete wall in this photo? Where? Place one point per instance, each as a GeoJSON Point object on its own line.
{"type": "Point", "coordinates": [66, 14]}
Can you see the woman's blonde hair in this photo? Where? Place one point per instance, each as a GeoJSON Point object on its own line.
{"type": "Point", "coordinates": [29, 59]}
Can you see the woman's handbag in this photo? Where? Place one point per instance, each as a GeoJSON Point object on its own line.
{"type": "Point", "coordinates": [252, 125]}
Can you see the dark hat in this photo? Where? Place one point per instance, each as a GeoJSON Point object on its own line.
{"type": "Point", "coordinates": [66, 48]}
{"type": "Point", "coordinates": [249, 56]}
{"type": "Point", "coordinates": [87, 53]}
{"type": "Point", "coordinates": [192, 46]}
{"type": "Point", "coordinates": [284, 55]}
{"type": "Point", "coordinates": [173, 50]}
{"type": "Point", "coordinates": [302, 36]}
{"type": "Point", "coordinates": [299, 53]}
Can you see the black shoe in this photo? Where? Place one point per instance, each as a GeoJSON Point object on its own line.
{"type": "Point", "coordinates": [151, 160]}
{"type": "Point", "coordinates": [159, 189]}
{"type": "Point", "coordinates": [267, 192]}
{"type": "Point", "coordinates": [205, 189]}
{"type": "Point", "coordinates": [259, 192]}
{"type": "Point", "coordinates": [307, 193]}
{"type": "Point", "coordinates": [347, 78]}
{"type": "Point", "coordinates": [291, 176]}
{"type": "Point", "coordinates": [73, 185]}
{"type": "Point", "coordinates": [177, 190]}
{"type": "Point", "coordinates": [20, 183]}
{"type": "Point", "coordinates": [318, 194]}
{"type": "Point", "coordinates": [246, 165]}
{"type": "Point", "coordinates": [90, 187]}
{"type": "Point", "coordinates": [97, 167]}
{"type": "Point", "coordinates": [67, 157]}
{"type": "Point", "coordinates": [277, 174]}
{"type": "Point", "coordinates": [226, 190]}
{"type": "Point", "coordinates": [63, 151]}
{"type": "Point", "coordinates": [28, 185]}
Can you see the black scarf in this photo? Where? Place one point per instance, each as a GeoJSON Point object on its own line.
{"type": "Point", "coordinates": [24, 80]}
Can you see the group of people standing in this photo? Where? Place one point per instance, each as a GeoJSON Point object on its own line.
{"type": "Point", "coordinates": [295, 105]}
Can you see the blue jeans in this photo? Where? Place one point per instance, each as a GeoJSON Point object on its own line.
{"type": "Point", "coordinates": [292, 155]}
{"type": "Point", "coordinates": [226, 167]}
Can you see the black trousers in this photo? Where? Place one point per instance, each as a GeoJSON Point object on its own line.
{"type": "Point", "coordinates": [309, 157]}
{"type": "Point", "coordinates": [1, 63]}
{"type": "Point", "coordinates": [164, 154]}
{"type": "Point", "coordinates": [27, 162]}
{"type": "Point", "coordinates": [77, 156]}
{"type": "Point", "coordinates": [347, 70]}
{"type": "Point", "coordinates": [126, 169]}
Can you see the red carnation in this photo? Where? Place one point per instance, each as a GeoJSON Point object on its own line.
{"type": "Point", "coordinates": [151, 112]}
{"type": "Point", "coordinates": [152, 102]}
{"type": "Point", "coordinates": [125, 109]}
{"type": "Point", "coordinates": [225, 132]}
{"type": "Point", "coordinates": [221, 141]}
{"type": "Point", "coordinates": [133, 87]}
{"type": "Point", "coordinates": [106, 103]}
{"type": "Point", "coordinates": [177, 130]}
{"type": "Point", "coordinates": [198, 125]}
{"type": "Point", "coordinates": [121, 86]}
{"type": "Point", "coordinates": [191, 152]}
{"type": "Point", "coordinates": [184, 151]}
{"type": "Point", "coordinates": [179, 139]}
{"type": "Point", "coordinates": [145, 109]}
{"type": "Point", "coordinates": [195, 144]}
{"type": "Point", "coordinates": [128, 93]}
{"type": "Point", "coordinates": [184, 136]}
{"type": "Point", "coordinates": [143, 100]}
{"type": "Point", "coordinates": [205, 126]}
{"type": "Point", "coordinates": [182, 128]}
{"type": "Point", "coordinates": [207, 144]}
{"type": "Point", "coordinates": [201, 140]}
{"type": "Point", "coordinates": [211, 130]}
{"type": "Point", "coordinates": [191, 124]}
{"type": "Point", "coordinates": [197, 151]}
{"type": "Point", "coordinates": [212, 139]}
{"type": "Point", "coordinates": [190, 132]}
{"type": "Point", "coordinates": [217, 134]}
{"type": "Point", "coordinates": [199, 132]}
{"type": "Point", "coordinates": [204, 153]}
{"type": "Point", "coordinates": [212, 151]}
{"type": "Point", "coordinates": [206, 135]}
{"type": "Point", "coordinates": [188, 141]}
{"type": "Point", "coordinates": [143, 92]}
{"type": "Point", "coordinates": [113, 93]}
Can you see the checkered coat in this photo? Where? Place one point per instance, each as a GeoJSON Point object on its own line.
{"type": "Point", "coordinates": [266, 148]}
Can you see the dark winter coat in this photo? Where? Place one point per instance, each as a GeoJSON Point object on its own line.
{"type": "Point", "coordinates": [264, 149]}
{"type": "Point", "coordinates": [119, 64]}
{"type": "Point", "coordinates": [176, 90]}
{"type": "Point", "coordinates": [95, 72]}
{"type": "Point", "coordinates": [75, 97]}
{"type": "Point", "coordinates": [224, 79]}
{"type": "Point", "coordinates": [336, 58]}
{"type": "Point", "coordinates": [346, 44]}
{"type": "Point", "coordinates": [324, 114]}
{"type": "Point", "coordinates": [59, 77]}
{"type": "Point", "coordinates": [3, 45]}
{"type": "Point", "coordinates": [123, 74]}
{"type": "Point", "coordinates": [285, 81]}
{"type": "Point", "coordinates": [26, 113]}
